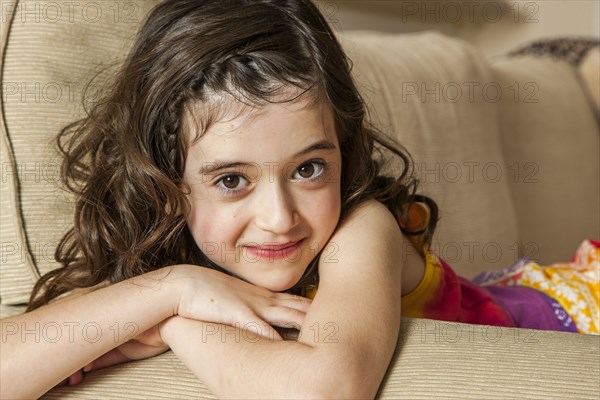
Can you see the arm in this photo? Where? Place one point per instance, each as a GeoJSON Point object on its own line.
{"type": "Point", "coordinates": [77, 330]}
{"type": "Point", "coordinates": [347, 338]}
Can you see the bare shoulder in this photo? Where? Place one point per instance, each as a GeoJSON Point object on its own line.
{"type": "Point", "coordinates": [369, 238]}
{"type": "Point", "coordinates": [372, 234]}
{"type": "Point", "coordinates": [371, 215]}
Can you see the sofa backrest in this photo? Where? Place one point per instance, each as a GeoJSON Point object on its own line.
{"type": "Point", "coordinates": [431, 92]}
{"type": "Point", "coordinates": [551, 142]}
{"type": "Point", "coordinates": [427, 91]}
{"type": "Point", "coordinates": [51, 51]}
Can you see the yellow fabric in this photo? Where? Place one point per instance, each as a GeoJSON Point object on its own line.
{"type": "Point", "coordinates": [414, 302]}
{"type": "Point", "coordinates": [311, 293]}
{"type": "Point", "coordinates": [574, 285]}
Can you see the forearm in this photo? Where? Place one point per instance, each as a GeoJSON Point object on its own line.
{"type": "Point", "coordinates": [43, 347]}
{"type": "Point", "coordinates": [236, 363]}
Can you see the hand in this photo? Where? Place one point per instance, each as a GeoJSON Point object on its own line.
{"type": "Point", "coordinates": [145, 345]}
{"type": "Point", "coordinates": [212, 296]}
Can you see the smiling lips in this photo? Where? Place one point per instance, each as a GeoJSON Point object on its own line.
{"type": "Point", "coordinates": [274, 251]}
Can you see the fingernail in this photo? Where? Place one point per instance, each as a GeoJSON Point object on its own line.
{"type": "Point", "coordinates": [87, 368]}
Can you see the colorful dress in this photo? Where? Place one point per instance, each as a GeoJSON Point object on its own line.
{"type": "Point", "coordinates": [571, 289]}
{"type": "Point", "coordinates": [560, 297]}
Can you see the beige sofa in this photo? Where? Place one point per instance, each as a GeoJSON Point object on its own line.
{"type": "Point", "coordinates": [507, 147]}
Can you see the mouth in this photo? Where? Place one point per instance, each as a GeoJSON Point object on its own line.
{"type": "Point", "coordinates": [275, 250]}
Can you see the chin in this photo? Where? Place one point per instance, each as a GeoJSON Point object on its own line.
{"type": "Point", "coordinates": [279, 285]}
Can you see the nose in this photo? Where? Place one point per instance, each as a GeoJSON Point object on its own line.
{"type": "Point", "coordinates": [277, 212]}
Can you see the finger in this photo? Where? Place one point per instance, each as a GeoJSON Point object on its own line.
{"type": "Point", "coordinates": [259, 327]}
{"type": "Point", "coordinates": [296, 302]}
{"type": "Point", "coordinates": [76, 378]}
{"type": "Point", "coordinates": [268, 332]}
{"type": "Point", "coordinates": [284, 317]}
{"type": "Point", "coordinates": [89, 367]}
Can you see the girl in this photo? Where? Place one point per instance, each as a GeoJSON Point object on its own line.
{"type": "Point", "coordinates": [229, 171]}
{"type": "Point", "coordinates": [228, 166]}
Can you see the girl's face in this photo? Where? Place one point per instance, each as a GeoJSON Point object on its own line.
{"type": "Point", "coordinates": [265, 191]}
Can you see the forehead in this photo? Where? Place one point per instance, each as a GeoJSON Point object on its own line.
{"type": "Point", "coordinates": [233, 106]}
{"type": "Point", "coordinates": [274, 125]}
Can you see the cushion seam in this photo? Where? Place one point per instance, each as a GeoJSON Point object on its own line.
{"type": "Point", "coordinates": [14, 186]}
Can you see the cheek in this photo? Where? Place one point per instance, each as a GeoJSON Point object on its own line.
{"type": "Point", "coordinates": [211, 224]}
{"type": "Point", "coordinates": [325, 212]}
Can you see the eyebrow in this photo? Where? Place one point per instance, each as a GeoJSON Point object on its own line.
{"type": "Point", "coordinates": [209, 168]}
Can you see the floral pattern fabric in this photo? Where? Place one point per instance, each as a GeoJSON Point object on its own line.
{"type": "Point", "coordinates": [574, 285]}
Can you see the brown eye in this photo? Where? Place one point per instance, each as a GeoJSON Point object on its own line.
{"type": "Point", "coordinates": [231, 181]}
{"type": "Point", "coordinates": [310, 171]}
{"type": "Point", "coordinates": [232, 184]}
{"type": "Point", "coordinates": [306, 171]}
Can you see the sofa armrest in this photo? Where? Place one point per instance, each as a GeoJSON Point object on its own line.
{"type": "Point", "coordinates": [433, 359]}
{"type": "Point", "coordinates": [437, 359]}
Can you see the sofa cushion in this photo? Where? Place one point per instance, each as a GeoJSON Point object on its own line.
{"type": "Point", "coordinates": [15, 267]}
{"type": "Point", "coordinates": [15, 262]}
{"type": "Point", "coordinates": [435, 95]}
{"type": "Point", "coordinates": [433, 360]}
{"type": "Point", "coordinates": [53, 51]}
{"type": "Point", "coordinates": [551, 138]}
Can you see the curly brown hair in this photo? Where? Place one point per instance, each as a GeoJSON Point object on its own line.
{"type": "Point", "coordinates": [124, 162]}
